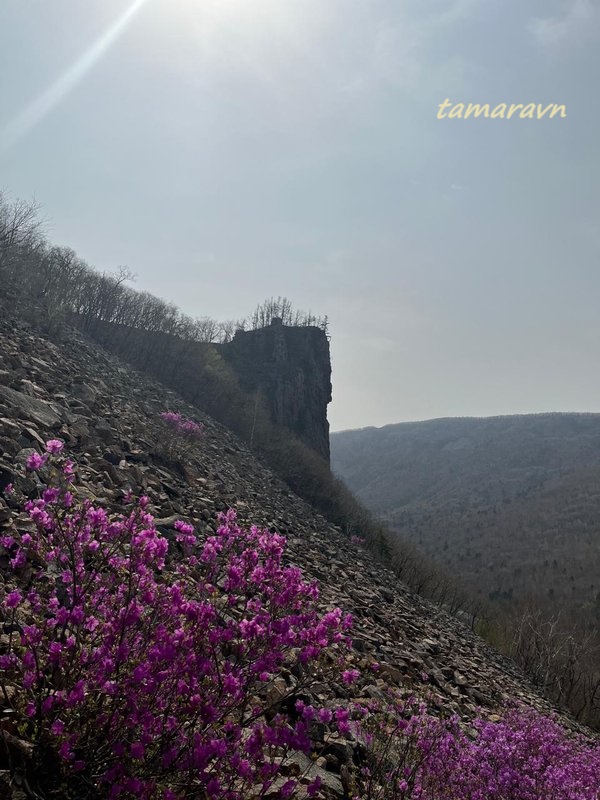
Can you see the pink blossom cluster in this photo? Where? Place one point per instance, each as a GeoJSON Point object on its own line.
{"type": "Point", "coordinates": [525, 756]}
{"type": "Point", "coordinates": [36, 461]}
{"type": "Point", "coordinates": [413, 755]}
{"type": "Point", "coordinates": [183, 425]}
{"type": "Point", "coordinates": [149, 677]}
{"type": "Point", "coordinates": [145, 674]}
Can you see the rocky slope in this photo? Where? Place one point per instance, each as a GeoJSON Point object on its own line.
{"type": "Point", "coordinates": [106, 414]}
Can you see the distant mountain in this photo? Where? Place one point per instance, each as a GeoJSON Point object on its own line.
{"type": "Point", "coordinates": [510, 504]}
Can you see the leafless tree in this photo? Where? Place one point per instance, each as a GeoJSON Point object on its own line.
{"type": "Point", "coordinates": [20, 224]}
{"type": "Point", "coordinates": [282, 308]}
{"type": "Point", "coordinates": [561, 657]}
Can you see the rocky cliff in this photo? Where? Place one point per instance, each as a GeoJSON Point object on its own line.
{"type": "Point", "coordinates": [290, 368]}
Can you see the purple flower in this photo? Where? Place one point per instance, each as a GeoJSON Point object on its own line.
{"type": "Point", "coordinates": [183, 527]}
{"type": "Point", "coordinates": [13, 598]}
{"type": "Point", "coordinates": [35, 461]}
{"type": "Point", "coordinates": [54, 446]}
{"type": "Point", "coordinates": [137, 750]}
{"type": "Point", "coordinates": [185, 427]}
{"type": "Point", "coordinates": [349, 676]}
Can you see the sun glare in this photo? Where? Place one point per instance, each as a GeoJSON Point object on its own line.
{"type": "Point", "coordinates": [33, 113]}
{"type": "Point", "coordinates": [251, 33]}
{"type": "Point", "coordinates": [243, 28]}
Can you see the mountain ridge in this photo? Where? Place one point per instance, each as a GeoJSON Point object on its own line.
{"type": "Point", "coordinates": [464, 417]}
{"type": "Point", "coordinates": [432, 436]}
{"type": "Point", "coordinates": [486, 496]}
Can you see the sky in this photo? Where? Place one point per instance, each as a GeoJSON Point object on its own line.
{"type": "Point", "coordinates": [227, 151]}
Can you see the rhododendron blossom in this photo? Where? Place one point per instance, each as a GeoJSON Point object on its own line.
{"type": "Point", "coordinates": [182, 425]}
{"type": "Point", "coordinates": [147, 675]}
{"type": "Point", "coordinates": [136, 668]}
{"type": "Point", "coordinates": [35, 461]}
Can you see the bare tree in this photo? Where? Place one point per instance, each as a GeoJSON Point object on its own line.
{"type": "Point", "coordinates": [561, 657]}
{"type": "Point", "coordinates": [20, 225]}
{"type": "Point", "coordinates": [282, 308]}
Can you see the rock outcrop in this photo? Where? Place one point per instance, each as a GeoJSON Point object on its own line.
{"type": "Point", "coordinates": [291, 368]}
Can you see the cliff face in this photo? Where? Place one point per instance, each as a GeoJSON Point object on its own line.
{"type": "Point", "coordinates": [291, 368]}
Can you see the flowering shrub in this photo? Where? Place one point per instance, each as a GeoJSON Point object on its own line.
{"type": "Point", "coordinates": [525, 756]}
{"type": "Point", "coordinates": [179, 434]}
{"type": "Point", "coordinates": [143, 676]}
{"type": "Point", "coordinates": [411, 755]}
{"type": "Point", "coordinates": [396, 736]}
{"type": "Point", "coordinates": [183, 425]}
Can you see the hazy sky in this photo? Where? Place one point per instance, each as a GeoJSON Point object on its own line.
{"type": "Point", "coordinates": [230, 150]}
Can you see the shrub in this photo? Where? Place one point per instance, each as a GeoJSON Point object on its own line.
{"type": "Point", "coordinates": [411, 755]}
{"type": "Point", "coordinates": [524, 756]}
{"type": "Point", "coordinates": [138, 674]}
{"type": "Point", "coordinates": [147, 676]}
{"type": "Point", "coordinates": [178, 435]}
{"type": "Point", "coordinates": [182, 425]}
{"type": "Point", "coordinates": [397, 737]}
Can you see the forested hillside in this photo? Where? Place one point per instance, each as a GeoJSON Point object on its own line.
{"type": "Point", "coordinates": [512, 504]}
{"type": "Point", "coordinates": [509, 505]}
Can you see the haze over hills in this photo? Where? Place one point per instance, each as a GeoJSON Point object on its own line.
{"type": "Point", "coordinates": [511, 504]}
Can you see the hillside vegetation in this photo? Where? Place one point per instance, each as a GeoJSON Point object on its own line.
{"type": "Point", "coordinates": [511, 505]}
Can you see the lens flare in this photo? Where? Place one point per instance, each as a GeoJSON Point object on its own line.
{"type": "Point", "coordinates": [39, 108]}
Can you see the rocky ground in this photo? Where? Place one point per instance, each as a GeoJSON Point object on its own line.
{"type": "Point", "coordinates": [107, 414]}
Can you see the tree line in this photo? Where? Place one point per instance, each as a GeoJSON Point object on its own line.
{"type": "Point", "coordinates": [63, 285]}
